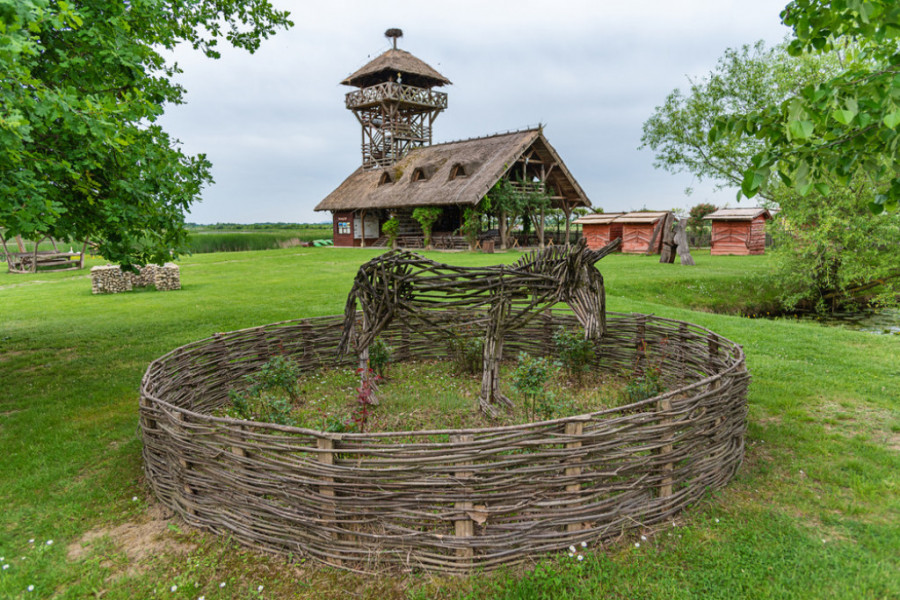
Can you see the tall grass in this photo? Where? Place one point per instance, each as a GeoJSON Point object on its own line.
{"type": "Point", "coordinates": [203, 242]}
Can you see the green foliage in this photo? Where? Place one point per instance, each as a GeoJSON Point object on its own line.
{"type": "Point", "coordinates": [695, 219]}
{"type": "Point", "coordinates": [426, 216]}
{"type": "Point", "coordinates": [84, 84]}
{"type": "Point", "coordinates": [237, 241]}
{"type": "Point", "coordinates": [685, 132]}
{"type": "Point", "coordinates": [530, 378]}
{"type": "Point", "coordinates": [391, 229]}
{"type": "Point", "coordinates": [843, 127]}
{"type": "Point", "coordinates": [835, 254]}
{"type": "Point", "coordinates": [642, 385]}
{"type": "Point", "coordinates": [575, 352]}
{"type": "Point", "coordinates": [271, 393]}
{"type": "Point", "coordinates": [379, 356]}
{"type": "Point", "coordinates": [465, 345]}
{"type": "Point", "coordinates": [471, 226]}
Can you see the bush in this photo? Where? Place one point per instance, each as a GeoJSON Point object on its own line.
{"type": "Point", "coordinates": [391, 229]}
{"type": "Point", "coordinates": [426, 216]}
{"type": "Point", "coordinates": [379, 356]}
{"type": "Point", "coordinates": [642, 385]}
{"type": "Point", "coordinates": [576, 353]}
{"type": "Point", "coordinates": [271, 394]}
{"type": "Point", "coordinates": [530, 378]}
{"type": "Point", "coordinates": [466, 349]}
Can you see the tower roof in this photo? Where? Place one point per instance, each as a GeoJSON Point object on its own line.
{"type": "Point", "coordinates": [415, 71]}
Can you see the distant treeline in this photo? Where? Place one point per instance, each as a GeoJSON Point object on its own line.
{"type": "Point", "coordinates": [258, 226]}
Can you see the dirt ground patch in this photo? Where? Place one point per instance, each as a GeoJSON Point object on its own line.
{"type": "Point", "coordinates": [137, 540]}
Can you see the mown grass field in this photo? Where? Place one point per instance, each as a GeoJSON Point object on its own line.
{"type": "Point", "coordinates": [813, 513]}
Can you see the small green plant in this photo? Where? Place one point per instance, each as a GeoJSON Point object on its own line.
{"type": "Point", "coordinates": [466, 349]}
{"type": "Point", "coordinates": [271, 394]}
{"type": "Point", "coordinates": [530, 378]}
{"type": "Point", "coordinates": [391, 229]}
{"type": "Point", "coordinates": [576, 353]}
{"type": "Point", "coordinates": [642, 385]}
{"type": "Point", "coordinates": [379, 356]}
{"type": "Point", "coordinates": [426, 216]}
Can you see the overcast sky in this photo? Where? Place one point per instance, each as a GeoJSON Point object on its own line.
{"type": "Point", "coordinates": [276, 130]}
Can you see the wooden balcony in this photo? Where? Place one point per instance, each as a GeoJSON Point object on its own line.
{"type": "Point", "coordinates": [394, 92]}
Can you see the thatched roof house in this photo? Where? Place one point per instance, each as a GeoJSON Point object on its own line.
{"type": "Point", "coordinates": [401, 170]}
{"type": "Point", "coordinates": [452, 175]}
{"type": "Point", "coordinates": [740, 231]}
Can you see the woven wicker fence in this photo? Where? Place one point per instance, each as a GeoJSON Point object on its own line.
{"type": "Point", "coordinates": [444, 500]}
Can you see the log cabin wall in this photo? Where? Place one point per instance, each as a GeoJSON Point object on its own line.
{"type": "Point", "coordinates": [599, 235]}
{"type": "Point", "coordinates": [636, 238]}
{"type": "Point", "coordinates": [739, 237]}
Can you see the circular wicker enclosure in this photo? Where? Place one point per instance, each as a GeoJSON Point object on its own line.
{"type": "Point", "coordinates": [443, 500]}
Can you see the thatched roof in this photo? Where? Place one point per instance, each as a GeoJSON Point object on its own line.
{"type": "Point", "coordinates": [386, 66]}
{"type": "Point", "coordinates": [737, 214]}
{"type": "Point", "coordinates": [484, 161]}
{"type": "Point", "coordinates": [598, 218]}
{"type": "Point", "coordinates": [641, 217]}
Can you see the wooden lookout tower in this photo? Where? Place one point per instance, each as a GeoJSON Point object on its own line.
{"type": "Point", "coordinates": [395, 104]}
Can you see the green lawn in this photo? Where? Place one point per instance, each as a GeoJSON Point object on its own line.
{"type": "Point", "coordinates": [813, 513]}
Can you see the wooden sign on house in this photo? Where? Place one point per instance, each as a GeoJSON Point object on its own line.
{"type": "Point", "coordinates": [740, 231]}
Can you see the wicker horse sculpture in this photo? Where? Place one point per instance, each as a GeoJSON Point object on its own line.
{"type": "Point", "coordinates": [403, 284]}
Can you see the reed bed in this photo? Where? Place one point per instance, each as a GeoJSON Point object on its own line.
{"type": "Point", "coordinates": [443, 500]}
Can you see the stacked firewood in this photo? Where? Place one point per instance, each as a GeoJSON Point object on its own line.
{"type": "Point", "coordinates": [110, 279]}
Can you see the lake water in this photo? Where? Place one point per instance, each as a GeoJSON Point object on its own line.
{"type": "Point", "coordinates": [886, 322]}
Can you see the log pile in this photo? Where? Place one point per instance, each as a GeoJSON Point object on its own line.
{"type": "Point", "coordinates": [110, 279]}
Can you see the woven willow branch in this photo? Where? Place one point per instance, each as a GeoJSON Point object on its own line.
{"type": "Point", "coordinates": [443, 500]}
{"type": "Point", "coordinates": [406, 285]}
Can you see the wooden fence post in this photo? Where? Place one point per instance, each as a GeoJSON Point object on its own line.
{"type": "Point", "coordinates": [665, 487]}
{"type": "Point", "coordinates": [574, 470]}
{"type": "Point", "coordinates": [185, 467]}
{"type": "Point", "coordinates": [640, 344]}
{"type": "Point", "coordinates": [326, 489]}
{"type": "Point", "coordinates": [464, 526]}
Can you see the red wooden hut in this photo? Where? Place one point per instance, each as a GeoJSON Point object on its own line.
{"type": "Point", "coordinates": [739, 231]}
{"type": "Point", "coordinates": [642, 232]}
{"type": "Point", "coordinates": [600, 229]}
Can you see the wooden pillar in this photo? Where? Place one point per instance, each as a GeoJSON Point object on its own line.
{"type": "Point", "coordinates": [464, 526]}
{"type": "Point", "coordinates": [567, 210]}
{"type": "Point", "coordinates": [573, 469]}
{"type": "Point", "coordinates": [362, 226]}
{"type": "Point", "coordinates": [665, 486]}
{"type": "Point", "coordinates": [326, 489]}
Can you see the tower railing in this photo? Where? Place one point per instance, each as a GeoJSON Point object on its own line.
{"type": "Point", "coordinates": [392, 91]}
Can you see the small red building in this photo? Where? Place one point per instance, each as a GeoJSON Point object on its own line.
{"type": "Point", "coordinates": [600, 229]}
{"type": "Point", "coordinates": [642, 232]}
{"type": "Point", "coordinates": [740, 231]}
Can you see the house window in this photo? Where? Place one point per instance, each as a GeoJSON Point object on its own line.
{"type": "Point", "coordinates": [343, 228]}
{"type": "Point", "coordinates": [384, 179]}
{"type": "Point", "coordinates": [458, 171]}
{"type": "Point", "coordinates": [419, 175]}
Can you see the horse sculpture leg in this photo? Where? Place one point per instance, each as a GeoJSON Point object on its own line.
{"type": "Point", "coordinates": [492, 354]}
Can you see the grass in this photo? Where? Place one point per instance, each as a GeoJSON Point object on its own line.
{"type": "Point", "coordinates": [204, 240]}
{"type": "Point", "coordinates": [814, 511]}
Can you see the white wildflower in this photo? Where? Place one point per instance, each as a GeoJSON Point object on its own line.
{"type": "Point", "coordinates": [572, 549]}
{"type": "Point", "coordinates": [30, 588]}
{"type": "Point", "coordinates": [260, 588]}
{"type": "Point", "coordinates": [221, 585]}
{"type": "Point", "coordinates": [134, 499]}
{"type": "Point", "coordinates": [571, 555]}
{"type": "Point", "coordinates": [174, 588]}
{"type": "Point", "coordinates": [31, 541]}
{"type": "Point", "coordinates": [580, 557]}
{"type": "Point", "coordinates": [643, 538]}
{"type": "Point", "coordinates": [49, 542]}
{"type": "Point", "coordinates": [637, 544]}
{"type": "Point", "coordinates": [5, 567]}
{"type": "Point", "coordinates": [584, 544]}
{"type": "Point", "coordinates": [717, 520]}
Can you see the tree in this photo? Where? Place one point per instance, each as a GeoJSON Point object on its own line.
{"type": "Point", "coordinates": [426, 216]}
{"type": "Point", "coordinates": [843, 127]}
{"type": "Point", "coordinates": [695, 223]}
{"type": "Point", "coordinates": [744, 80]}
{"type": "Point", "coordinates": [829, 250]}
{"type": "Point", "coordinates": [81, 153]}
